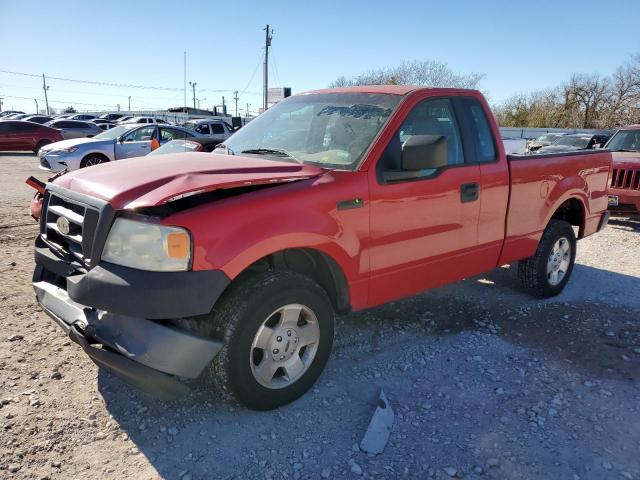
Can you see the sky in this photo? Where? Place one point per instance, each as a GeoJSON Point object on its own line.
{"type": "Point", "coordinates": [519, 46]}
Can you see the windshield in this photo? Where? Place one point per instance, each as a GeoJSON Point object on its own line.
{"type": "Point", "coordinates": [113, 133]}
{"type": "Point", "coordinates": [176, 146]}
{"type": "Point", "coordinates": [628, 140]}
{"type": "Point", "coordinates": [580, 142]}
{"type": "Point", "coordinates": [331, 129]}
{"type": "Point", "coordinates": [548, 137]}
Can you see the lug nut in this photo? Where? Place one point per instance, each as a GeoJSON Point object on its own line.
{"type": "Point", "coordinates": [275, 350]}
{"type": "Point", "coordinates": [279, 339]}
{"type": "Point", "coordinates": [288, 333]}
{"type": "Point", "coordinates": [281, 357]}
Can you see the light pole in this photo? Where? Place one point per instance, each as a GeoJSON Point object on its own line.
{"type": "Point", "coordinates": [247, 112]}
{"type": "Point", "coordinates": [37, 109]}
{"type": "Point", "coordinates": [193, 86]}
{"type": "Point", "coordinates": [129, 103]}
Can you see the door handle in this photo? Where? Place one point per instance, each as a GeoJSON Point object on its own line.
{"type": "Point", "coordinates": [469, 192]}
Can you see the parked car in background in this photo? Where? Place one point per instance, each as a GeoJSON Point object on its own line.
{"type": "Point", "coordinates": [123, 141]}
{"type": "Point", "coordinates": [6, 113]}
{"type": "Point", "coordinates": [575, 141]}
{"type": "Point", "coordinates": [16, 135]}
{"type": "Point", "coordinates": [192, 144]}
{"type": "Point", "coordinates": [75, 128]}
{"type": "Point", "coordinates": [218, 129]}
{"type": "Point", "coordinates": [21, 116]}
{"type": "Point", "coordinates": [106, 126]}
{"type": "Point", "coordinates": [514, 145]}
{"type": "Point", "coordinates": [38, 119]}
{"type": "Point", "coordinates": [624, 186]}
{"type": "Point", "coordinates": [13, 116]}
{"type": "Point", "coordinates": [140, 120]}
{"type": "Point", "coordinates": [112, 117]}
{"type": "Point", "coordinates": [98, 121]}
{"type": "Point", "coordinates": [124, 119]}
{"type": "Point", "coordinates": [81, 116]}
{"type": "Point", "coordinates": [543, 141]}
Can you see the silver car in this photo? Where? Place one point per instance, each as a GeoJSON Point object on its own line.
{"type": "Point", "coordinates": [123, 141]}
{"type": "Point", "coordinates": [75, 128]}
{"type": "Point", "coordinates": [218, 129]}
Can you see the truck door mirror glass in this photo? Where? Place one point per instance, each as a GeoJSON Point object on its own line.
{"type": "Point", "coordinates": [421, 152]}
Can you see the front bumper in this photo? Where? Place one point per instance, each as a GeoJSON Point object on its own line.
{"type": "Point", "coordinates": [55, 162]}
{"type": "Point", "coordinates": [148, 353]}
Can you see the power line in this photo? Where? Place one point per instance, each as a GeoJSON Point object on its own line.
{"type": "Point", "coordinates": [108, 84]}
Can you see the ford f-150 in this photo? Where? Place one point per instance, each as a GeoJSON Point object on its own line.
{"type": "Point", "coordinates": [234, 262]}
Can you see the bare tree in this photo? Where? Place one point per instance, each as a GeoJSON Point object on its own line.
{"type": "Point", "coordinates": [429, 73]}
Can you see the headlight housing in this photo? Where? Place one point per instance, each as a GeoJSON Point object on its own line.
{"type": "Point", "coordinates": [69, 149]}
{"type": "Point", "coordinates": [148, 246]}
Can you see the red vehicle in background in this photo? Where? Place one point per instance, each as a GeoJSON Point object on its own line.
{"type": "Point", "coordinates": [19, 135]}
{"type": "Point", "coordinates": [336, 200]}
{"type": "Point", "coordinates": [624, 186]}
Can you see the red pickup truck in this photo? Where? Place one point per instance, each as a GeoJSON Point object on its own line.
{"type": "Point", "coordinates": [234, 262]}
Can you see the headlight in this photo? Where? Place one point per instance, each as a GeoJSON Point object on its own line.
{"type": "Point", "coordinates": [69, 150]}
{"type": "Point", "coordinates": [148, 246]}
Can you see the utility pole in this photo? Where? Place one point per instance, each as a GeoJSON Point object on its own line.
{"type": "Point", "coordinates": [1, 104]}
{"type": "Point", "coordinates": [193, 85]}
{"type": "Point", "coordinates": [185, 81]}
{"type": "Point", "coordinates": [235, 97]}
{"type": "Point", "coordinates": [247, 112]}
{"type": "Point", "coordinates": [45, 88]}
{"type": "Point", "coordinates": [129, 103]}
{"type": "Point", "coordinates": [224, 107]}
{"type": "Point", "coordinates": [37, 109]}
{"type": "Point", "coordinates": [267, 44]}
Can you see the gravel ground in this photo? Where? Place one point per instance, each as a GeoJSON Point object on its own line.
{"type": "Point", "coordinates": [485, 381]}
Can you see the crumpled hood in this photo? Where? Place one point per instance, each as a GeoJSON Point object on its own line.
{"type": "Point", "coordinates": [73, 142]}
{"type": "Point", "coordinates": [158, 179]}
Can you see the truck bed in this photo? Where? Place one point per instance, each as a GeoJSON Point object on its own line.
{"type": "Point", "coordinates": [539, 183]}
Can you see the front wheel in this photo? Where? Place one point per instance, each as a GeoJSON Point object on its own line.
{"type": "Point", "coordinates": [93, 159]}
{"type": "Point", "coordinates": [278, 332]}
{"type": "Point", "coordinates": [548, 271]}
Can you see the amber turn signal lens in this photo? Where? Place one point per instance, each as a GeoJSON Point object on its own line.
{"type": "Point", "coordinates": [178, 245]}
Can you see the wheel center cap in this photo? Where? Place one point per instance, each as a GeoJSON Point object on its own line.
{"type": "Point", "coordinates": [284, 344]}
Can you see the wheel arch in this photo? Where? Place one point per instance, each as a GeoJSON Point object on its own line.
{"type": "Point", "coordinates": [311, 262]}
{"type": "Point", "coordinates": [573, 211]}
{"type": "Point", "coordinates": [96, 154]}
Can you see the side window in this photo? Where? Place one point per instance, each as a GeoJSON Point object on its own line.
{"type": "Point", "coordinates": [168, 134]}
{"type": "Point", "coordinates": [478, 130]}
{"type": "Point", "coordinates": [429, 117]}
{"type": "Point", "coordinates": [203, 128]}
{"type": "Point", "coordinates": [140, 134]}
{"type": "Point", "coordinates": [217, 128]}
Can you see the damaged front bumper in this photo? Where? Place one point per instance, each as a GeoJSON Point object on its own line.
{"type": "Point", "coordinates": [150, 354]}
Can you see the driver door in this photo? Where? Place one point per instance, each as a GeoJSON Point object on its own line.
{"type": "Point", "coordinates": [136, 143]}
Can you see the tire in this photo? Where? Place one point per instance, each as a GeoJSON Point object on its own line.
{"type": "Point", "coordinates": [93, 159]}
{"type": "Point", "coordinates": [256, 303]}
{"type": "Point", "coordinates": [41, 144]}
{"type": "Point", "coordinates": [537, 273]}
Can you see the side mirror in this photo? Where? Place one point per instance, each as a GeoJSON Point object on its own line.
{"type": "Point", "coordinates": [121, 139]}
{"type": "Point", "coordinates": [422, 152]}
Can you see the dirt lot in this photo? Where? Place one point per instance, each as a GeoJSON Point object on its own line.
{"type": "Point", "coordinates": [485, 381]}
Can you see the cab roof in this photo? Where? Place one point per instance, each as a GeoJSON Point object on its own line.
{"type": "Point", "coordinates": [385, 89]}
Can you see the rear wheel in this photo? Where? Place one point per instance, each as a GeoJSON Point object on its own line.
{"type": "Point", "coordinates": [41, 144]}
{"type": "Point", "coordinates": [278, 332]}
{"type": "Point", "coordinates": [548, 271]}
{"type": "Point", "coordinates": [93, 159]}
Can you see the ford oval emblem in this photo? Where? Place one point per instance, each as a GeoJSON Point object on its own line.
{"type": "Point", "coordinates": [63, 225]}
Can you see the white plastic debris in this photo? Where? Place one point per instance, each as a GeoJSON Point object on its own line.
{"type": "Point", "coordinates": [377, 434]}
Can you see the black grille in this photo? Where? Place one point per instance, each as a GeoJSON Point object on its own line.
{"type": "Point", "coordinates": [625, 178]}
{"type": "Point", "coordinates": [70, 226]}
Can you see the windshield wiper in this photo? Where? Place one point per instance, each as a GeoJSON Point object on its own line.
{"type": "Point", "coordinates": [278, 152]}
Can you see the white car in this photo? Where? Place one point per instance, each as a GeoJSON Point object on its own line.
{"type": "Point", "coordinates": [123, 141]}
{"type": "Point", "coordinates": [140, 120]}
